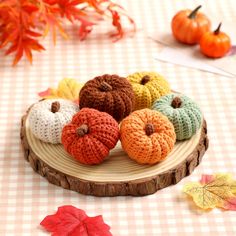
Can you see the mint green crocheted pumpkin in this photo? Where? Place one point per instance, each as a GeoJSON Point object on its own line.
{"type": "Point", "coordinates": [182, 111]}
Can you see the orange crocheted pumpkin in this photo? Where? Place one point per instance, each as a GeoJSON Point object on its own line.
{"type": "Point", "coordinates": [110, 93]}
{"type": "Point", "coordinates": [90, 136]}
{"type": "Point", "coordinates": [147, 136]}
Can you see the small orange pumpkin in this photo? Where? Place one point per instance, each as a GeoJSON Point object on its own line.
{"type": "Point", "coordinates": [90, 136]}
{"type": "Point", "coordinates": [215, 44]}
{"type": "Point", "coordinates": [147, 136]}
{"type": "Point", "coordinates": [188, 26]}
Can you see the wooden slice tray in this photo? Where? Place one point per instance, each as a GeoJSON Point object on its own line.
{"type": "Point", "coordinates": [116, 176]}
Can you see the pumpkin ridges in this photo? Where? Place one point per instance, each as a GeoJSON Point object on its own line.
{"type": "Point", "coordinates": [137, 90]}
{"type": "Point", "coordinates": [139, 151]}
{"type": "Point", "coordinates": [138, 144]}
{"type": "Point", "coordinates": [90, 101]}
{"type": "Point", "coordinates": [188, 127]}
{"type": "Point", "coordinates": [102, 137]}
{"type": "Point", "coordinates": [180, 118]}
{"type": "Point", "coordinates": [108, 104]}
{"type": "Point", "coordinates": [194, 116]}
{"type": "Point", "coordinates": [154, 91]}
{"type": "Point", "coordinates": [215, 44]}
{"type": "Point", "coordinates": [129, 102]}
{"type": "Point", "coordinates": [164, 147]}
{"type": "Point", "coordinates": [46, 125]}
{"type": "Point", "coordinates": [111, 102]}
{"type": "Point", "coordinates": [156, 150]}
{"type": "Point", "coordinates": [182, 25]}
{"type": "Point", "coordinates": [124, 108]}
{"type": "Point", "coordinates": [93, 147]}
{"type": "Point", "coordinates": [144, 96]}
{"type": "Point", "coordinates": [101, 152]}
{"type": "Point", "coordinates": [93, 156]}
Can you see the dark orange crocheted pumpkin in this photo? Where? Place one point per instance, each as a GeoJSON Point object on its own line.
{"type": "Point", "coordinates": [90, 136]}
{"type": "Point", "coordinates": [109, 93]}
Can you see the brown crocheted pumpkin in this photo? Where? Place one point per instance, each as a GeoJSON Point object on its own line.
{"type": "Point", "coordinates": [109, 93]}
{"type": "Point", "coordinates": [90, 136]}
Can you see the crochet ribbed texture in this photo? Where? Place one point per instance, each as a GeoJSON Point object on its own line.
{"type": "Point", "coordinates": [148, 86]}
{"type": "Point", "coordinates": [183, 112]}
{"type": "Point", "coordinates": [48, 117]}
{"type": "Point", "coordinates": [109, 93]}
{"type": "Point", "coordinates": [90, 136]}
{"type": "Point", "coordinates": [147, 136]}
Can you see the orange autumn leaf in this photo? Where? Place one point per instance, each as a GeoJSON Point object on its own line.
{"type": "Point", "coordinates": [67, 89]}
{"type": "Point", "coordinates": [24, 22]}
{"type": "Point", "coordinates": [213, 191]}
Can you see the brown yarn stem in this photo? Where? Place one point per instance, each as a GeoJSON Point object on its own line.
{"type": "Point", "coordinates": [149, 129]}
{"type": "Point", "coordinates": [82, 130]}
{"type": "Point", "coordinates": [55, 107]}
{"type": "Point", "coordinates": [192, 15]}
{"type": "Point", "coordinates": [176, 102]}
{"type": "Point", "coordinates": [105, 87]}
{"type": "Point", "coordinates": [145, 79]}
{"type": "Point", "coordinates": [217, 31]}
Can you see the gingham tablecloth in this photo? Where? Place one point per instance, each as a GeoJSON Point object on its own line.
{"type": "Point", "coordinates": [26, 198]}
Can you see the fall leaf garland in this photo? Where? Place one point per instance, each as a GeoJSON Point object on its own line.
{"type": "Point", "coordinates": [24, 22]}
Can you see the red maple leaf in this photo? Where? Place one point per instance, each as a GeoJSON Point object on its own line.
{"type": "Point", "coordinates": [71, 221]}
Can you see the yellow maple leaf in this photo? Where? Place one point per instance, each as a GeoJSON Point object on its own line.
{"type": "Point", "coordinates": [217, 191]}
{"type": "Point", "coordinates": [67, 89]}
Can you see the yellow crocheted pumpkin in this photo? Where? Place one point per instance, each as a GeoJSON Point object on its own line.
{"type": "Point", "coordinates": [148, 87]}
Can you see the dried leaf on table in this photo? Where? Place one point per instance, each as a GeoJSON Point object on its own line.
{"type": "Point", "coordinates": [67, 89]}
{"type": "Point", "coordinates": [69, 220]}
{"type": "Point", "coordinates": [213, 191]}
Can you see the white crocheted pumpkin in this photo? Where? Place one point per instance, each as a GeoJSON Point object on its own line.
{"type": "Point", "coordinates": [47, 118]}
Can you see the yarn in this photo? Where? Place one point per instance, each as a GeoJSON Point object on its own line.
{"type": "Point", "coordinates": [47, 118]}
{"type": "Point", "coordinates": [109, 93]}
{"type": "Point", "coordinates": [90, 136]}
{"type": "Point", "coordinates": [183, 112]}
{"type": "Point", "coordinates": [147, 86]}
{"type": "Point", "coordinates": [147, 136]}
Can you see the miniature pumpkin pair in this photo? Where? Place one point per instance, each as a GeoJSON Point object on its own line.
{"type": "Point", "coordinates": [147, 136]}
{"type": "Point", "coordinates": [192, 27]}
{"type": "Point", "coordinates": [88, 134]}
{"type": "Point", "coordinates": [119, 96]}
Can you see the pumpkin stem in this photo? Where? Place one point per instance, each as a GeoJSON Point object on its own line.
{"type": "Point", "coordinates": [192, 15]}
{"type": "Point", "coordinates": [55, 107]}
{"type": "Point", "coordinates": [149, 129]}
{"type": "Point", "coordinates": [82, 130]}
{"type": "Point", "coordinates": [105, 87]}
{"type": "Point", "coordinates": [217, 31]}
{"type": "Point", "coordinates": [176, 102]}
{"type": "Point", "coordinates": [145, 79]}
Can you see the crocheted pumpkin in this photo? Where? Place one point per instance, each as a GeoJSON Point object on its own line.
{"type": "Point", "coordinates": [147, 86]}
{"type": "Point", "coordinates": [48, 117]}
{"type": "Point", "coordinates": [90, 136]}
{"type": "Point", "coordinates": [184, 114]}
{"type": "Point", "coordinates": [108, 93]}
{"type": "Point", "coordinates": [147, 136]}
